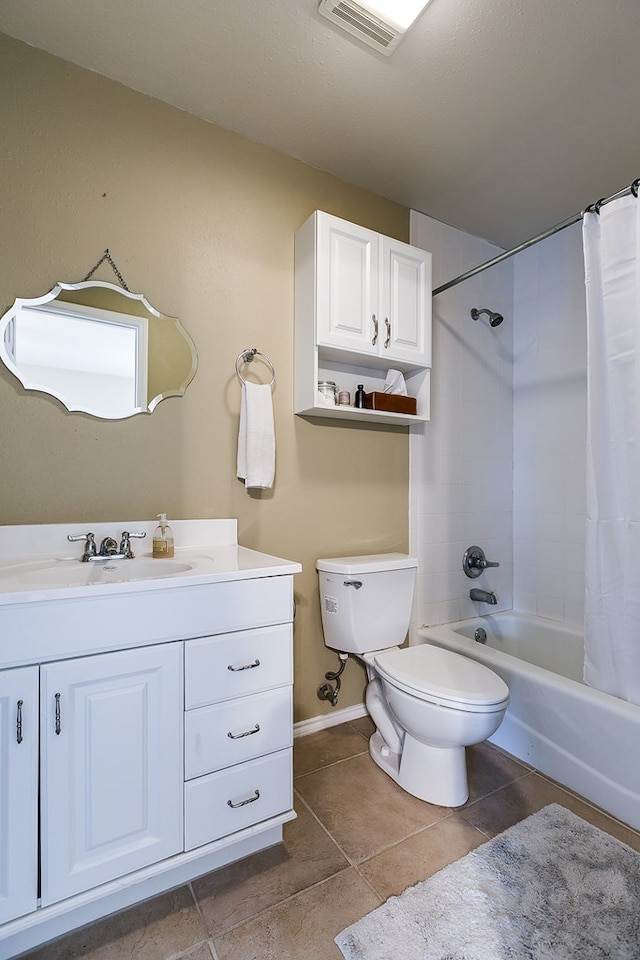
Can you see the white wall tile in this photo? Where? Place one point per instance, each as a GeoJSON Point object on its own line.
{"type": "Point", "coordinates": [549, 428]}
{"type": "Point", "coordinates": [503, 461]}
{"type": "Point", "coordinates": [466, 454]}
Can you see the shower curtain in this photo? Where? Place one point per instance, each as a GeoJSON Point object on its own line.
{"type": "Point", "coordinates": [611, 241]}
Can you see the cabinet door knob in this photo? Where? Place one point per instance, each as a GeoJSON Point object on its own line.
{"type": "Point", "coordinates": [374, 339]}
{"type": "Point", "coordinates": [388, 337]}
{"type": "Point", "coordinates": [19, 721]}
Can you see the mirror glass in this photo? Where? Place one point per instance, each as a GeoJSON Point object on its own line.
{"type": "Point", "coordinates": [98, 349]}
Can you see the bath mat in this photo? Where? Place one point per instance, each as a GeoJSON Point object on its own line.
{"type": "Point", "coordinates": [552, 887]}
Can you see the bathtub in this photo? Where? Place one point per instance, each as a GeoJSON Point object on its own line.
{"type": "Point", "coordinates": [587, 740]}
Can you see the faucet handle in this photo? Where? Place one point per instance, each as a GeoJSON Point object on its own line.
{"type": "Point", "coordinates": [125, 543]}
{"type": "Point", "coordinates": [90, 549]}
{"type": "Point", "coordinates": [475, 561]}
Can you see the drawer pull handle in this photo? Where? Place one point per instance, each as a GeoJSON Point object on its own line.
{"type": "Point", "coordinates": [19, 721]}
{"type": "Point", "coordinates": [246, 666]}
{"type": "Point", "coordinates": [247, 733]}
{"type": "Point", "coordinates": [243, 803]}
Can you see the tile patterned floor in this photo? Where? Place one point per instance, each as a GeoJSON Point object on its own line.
{"type": "Point", "coordinates": [358, 839]}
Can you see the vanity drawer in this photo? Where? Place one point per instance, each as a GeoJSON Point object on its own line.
{"type": "Point", "coordinates": [237, 664]}
{"type": "Point", "coordinates": [234, 731]}
{"type": "Point", "coordinates": [222, 803]}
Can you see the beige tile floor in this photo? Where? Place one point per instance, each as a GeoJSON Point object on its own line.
{"type": "Point", "coordinates": [358, 839]}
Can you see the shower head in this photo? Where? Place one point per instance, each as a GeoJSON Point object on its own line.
{"type": "Point", "coordinates": [495, 319]}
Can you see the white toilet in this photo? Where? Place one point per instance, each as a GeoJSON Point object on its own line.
{"type": "Point", "coordinates": [427, 703]}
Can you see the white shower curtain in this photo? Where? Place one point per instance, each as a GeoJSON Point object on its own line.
{"type": "Point", "coordinates": [612, 612]}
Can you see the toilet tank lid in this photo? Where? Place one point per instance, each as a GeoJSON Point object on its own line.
{"type": "Point", "coordinates": [373, 563]}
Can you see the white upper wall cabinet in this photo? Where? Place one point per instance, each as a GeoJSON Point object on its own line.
{"type": "Point", "coordinates": [363, 305]}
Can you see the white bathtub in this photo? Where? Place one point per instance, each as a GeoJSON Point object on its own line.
{"type": "Point", "coordinates": [587, 740]}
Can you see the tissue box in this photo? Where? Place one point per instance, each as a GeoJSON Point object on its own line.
{"type": "Point", "coordinates": [391, 402]}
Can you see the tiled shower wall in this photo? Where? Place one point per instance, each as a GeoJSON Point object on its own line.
{"type": "Point", "coordinates": [461, 462]}
{"type": "Point", "coordinates": [502, 462]}
{"type": "Point", "coordinates": [550, 397]}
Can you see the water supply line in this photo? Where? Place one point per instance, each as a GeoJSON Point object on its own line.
{"type": "Point", "coordinates": [327, 691]}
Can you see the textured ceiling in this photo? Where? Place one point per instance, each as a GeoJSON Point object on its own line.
{"type": "Point", "coordinates": [500, 117]}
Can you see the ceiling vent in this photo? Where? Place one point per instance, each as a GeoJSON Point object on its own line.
{"type": "Point", "coordinates": [361, 23]}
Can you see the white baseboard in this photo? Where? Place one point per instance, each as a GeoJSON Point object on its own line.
{"type": "Point", "coordinates": [304, 727]}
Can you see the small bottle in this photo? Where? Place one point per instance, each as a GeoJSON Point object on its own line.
{"type": "Point", "coordinates": [359, 397]}
{"type": "Point", "coordinates": [162, 538]}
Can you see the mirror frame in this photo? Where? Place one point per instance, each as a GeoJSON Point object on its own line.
{"type": "Point", "coordinates": [60, 287]}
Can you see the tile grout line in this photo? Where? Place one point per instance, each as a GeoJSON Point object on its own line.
{"type": "Point", "coordinates": [208, 938]}
{"type": "Point", "coordinates": [327, 766]}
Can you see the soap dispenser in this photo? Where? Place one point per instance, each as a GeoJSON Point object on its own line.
{"type": "Point", "coordinates": [162, 538]}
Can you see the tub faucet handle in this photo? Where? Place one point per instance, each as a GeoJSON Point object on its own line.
{"type": "Point", "coordinates": [475, 561]}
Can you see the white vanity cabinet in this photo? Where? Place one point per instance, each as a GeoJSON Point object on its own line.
{"type": "Point", "coordinates": [111, 793]}
{"type": "Point", "coordinates": [362, 306]}
{"type": "Point", "coordinates": [145, 723]}
{"type": "Point", "coordinates": [18, 792]}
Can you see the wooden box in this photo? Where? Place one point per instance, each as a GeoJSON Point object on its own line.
{"type": "Point", "coordinates": [391, 402]}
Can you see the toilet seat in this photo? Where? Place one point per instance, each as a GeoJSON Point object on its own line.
{"type": "Point", "coordinates": [442, 677]}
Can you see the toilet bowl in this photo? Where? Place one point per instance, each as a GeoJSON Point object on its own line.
{"type": "Point", "coordinates": [427, 703]}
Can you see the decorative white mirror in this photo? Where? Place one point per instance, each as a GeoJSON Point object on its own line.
{"type": "Point", "coordinates": [97, 348]}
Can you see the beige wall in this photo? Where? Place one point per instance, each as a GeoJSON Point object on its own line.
{"type": "Point", "coordinates": [201, 221]}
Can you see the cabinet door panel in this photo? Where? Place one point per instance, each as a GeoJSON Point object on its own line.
{"type": "Point", "coordinates": [111, 766]}
{"type": "Point", "coordinates": [347, 279]}
{"type": "Point", "coordinates": [18, 792]}
{"type": "Point", "coordinates": [406, 302]}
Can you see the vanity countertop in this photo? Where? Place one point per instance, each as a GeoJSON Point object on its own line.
{"type": "Point", "coordinates": [38, 563]}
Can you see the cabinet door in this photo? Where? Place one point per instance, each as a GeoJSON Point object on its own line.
{"type": "Point", "coordinates": [405, 323]}
{"type": "Point", "coordinates": [347, 286]}
{"type": "Point", "coordinates": [111, 766]}
{"type": "Point", "coordinates": [18, 792]}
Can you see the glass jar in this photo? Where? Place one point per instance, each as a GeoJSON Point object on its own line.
{"type": "Point", "coordinates": [328, 392]}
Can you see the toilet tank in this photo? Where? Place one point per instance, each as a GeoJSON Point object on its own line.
{"type": "Point", "coordinates": [366, 601]}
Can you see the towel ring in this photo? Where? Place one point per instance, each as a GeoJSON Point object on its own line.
{"type": "Point", "coordinates": [247, 356]}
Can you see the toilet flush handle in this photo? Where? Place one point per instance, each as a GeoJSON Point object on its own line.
{"type": "Point", "coordinates": [353, 583]}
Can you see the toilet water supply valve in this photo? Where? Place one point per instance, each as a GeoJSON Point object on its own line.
{"type": "Point", "coordinates": [327, 691]}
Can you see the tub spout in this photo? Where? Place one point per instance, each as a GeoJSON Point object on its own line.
{"type": "Point", "coordinates": [483, 596]}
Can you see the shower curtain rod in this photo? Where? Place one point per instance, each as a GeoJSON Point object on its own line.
{"type": "Point", "coordinates": [592, 208]}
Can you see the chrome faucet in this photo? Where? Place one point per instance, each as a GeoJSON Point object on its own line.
{"type": "Point", "coordinates": [483, 596]}
{"type": "Point", "coordinates": [108, 547]}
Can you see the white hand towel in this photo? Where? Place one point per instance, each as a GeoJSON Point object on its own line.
{"type": "Point", "coordinates": [256, 437]}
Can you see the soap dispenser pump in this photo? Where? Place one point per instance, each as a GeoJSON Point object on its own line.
{"type": "Point", "coordinates": [162, 538]}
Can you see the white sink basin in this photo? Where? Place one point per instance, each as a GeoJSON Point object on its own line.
{"type": "Point", "coordinates": [50, 574]}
